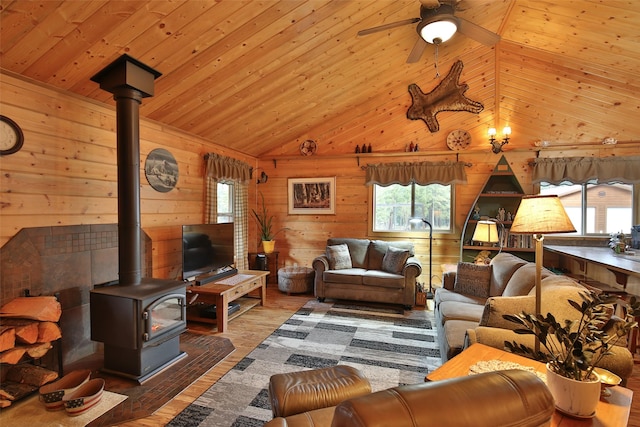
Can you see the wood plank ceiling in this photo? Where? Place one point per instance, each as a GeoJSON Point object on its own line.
{"type": "Point", "coordinates": [262, 76]}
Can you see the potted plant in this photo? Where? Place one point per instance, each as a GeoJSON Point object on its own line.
{"type": "Point", "coordinates": [265, 227]}
{"type": "Point", "coordinates": [574, 347]}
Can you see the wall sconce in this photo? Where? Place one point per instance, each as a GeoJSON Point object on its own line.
{"type": "Point", "coordinates": [496, 146]}
{"type": "Point", "coordinates": [263, 178]}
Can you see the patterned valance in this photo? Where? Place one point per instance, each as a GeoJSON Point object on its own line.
{"type": "Point", "coordinates": [222, 167]}
{"type": "Point", "coordinates": [580, 170]}
{"type": "Point", "coordinates": [422, 173]}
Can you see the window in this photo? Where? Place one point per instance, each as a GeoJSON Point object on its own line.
{"type": "Point", "coordinates": [225, 202]}
{"type": "Point", "coordinates": [595, 208]}
{"type": "Point", "coordinates": [395, 205]}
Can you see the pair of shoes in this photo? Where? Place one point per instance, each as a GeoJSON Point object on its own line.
{"type": "Point", "coordinates": [52, 394]}
{"type": "Point", "coordinates": [84, 398]}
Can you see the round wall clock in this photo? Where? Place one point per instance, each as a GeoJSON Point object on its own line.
{"type": "Point", "coordinates": [11, 136]}
{"type": "Point", "coordinates": [161, 170]}
{"type": "Point", "coordinates": [308, 147]}
{"type": "Point", "coordinates": [458, 140]}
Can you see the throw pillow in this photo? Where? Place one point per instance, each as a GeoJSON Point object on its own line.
{"type": "Point", "coordinates": [394, 260]}
{"type": "Point", "coordinates": [473, 279]}
{"type": "Point", "coordinates": [339, 257]}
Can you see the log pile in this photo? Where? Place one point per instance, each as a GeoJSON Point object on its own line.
{"type": "Point", "coordinates": [28, 327]}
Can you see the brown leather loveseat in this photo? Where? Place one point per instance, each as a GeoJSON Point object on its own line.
{"type": "Point", "coordinates": [524, 401]}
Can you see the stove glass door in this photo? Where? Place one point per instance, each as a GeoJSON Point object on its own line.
{"type": "Point", "coordinates": [164, 315]}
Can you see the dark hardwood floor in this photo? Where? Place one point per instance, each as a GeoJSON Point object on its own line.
{"type": "Point", "coordinates": [251, 328]}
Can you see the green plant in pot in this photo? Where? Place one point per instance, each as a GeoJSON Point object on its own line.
{"type": "Point", "coordinates": [265, 227]}
{"type": "Point", "coordinates": [573, 348]}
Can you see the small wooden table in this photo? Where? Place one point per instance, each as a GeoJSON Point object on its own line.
{"type": "Point", "coordinates": [611, 411]}
{"type": "Point", "coordinates": [226, 290]}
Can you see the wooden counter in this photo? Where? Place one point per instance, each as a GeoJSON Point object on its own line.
{"type": "Point", "coordinates": [621, 265]}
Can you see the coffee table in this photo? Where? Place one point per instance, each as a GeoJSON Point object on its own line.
{"type": "Point", "coordinates": [226, 290]}
{"type": "Point", "coordinates": [612, 411]}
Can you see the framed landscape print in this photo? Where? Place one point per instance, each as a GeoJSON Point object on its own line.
{"type": "Point", "coordinates": [312, 196]}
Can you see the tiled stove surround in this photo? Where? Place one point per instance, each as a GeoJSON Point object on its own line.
{"type": "Point", "coordinates": [68, 261]}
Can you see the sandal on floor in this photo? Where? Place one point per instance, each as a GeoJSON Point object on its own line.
{"type": "Point", "coordinates": [51, 394]}
{"type": "Point", "coordinates": [84, 398]}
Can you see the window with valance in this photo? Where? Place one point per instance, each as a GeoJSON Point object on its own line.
{"type": "Point", "coordinates": [422, 173]}
{"type": "Point", "coordinates": [404, 191]}
{"type": "Point", "coordinates": [600, 195]}
{"type": "Point", "coordinates": [580, 170]}
{"type": "Point", "coordinates": [226, 185]}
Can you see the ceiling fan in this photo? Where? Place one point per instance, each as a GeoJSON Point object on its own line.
{"type": "Point", "coordinates": [437, 24]}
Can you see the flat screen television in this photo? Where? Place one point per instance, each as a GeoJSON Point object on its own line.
{"type": "Point", "coordinates": [206, 248]}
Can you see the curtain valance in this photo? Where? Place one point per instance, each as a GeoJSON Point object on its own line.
{"type": "Point", "coordinates": [580, 170]}
{"type": "Point", "coordinates": [222, 167]}
{"type": "Point", "coordinates": [422, 173]}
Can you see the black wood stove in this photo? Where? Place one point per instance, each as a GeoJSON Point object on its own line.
{"type": "Point", "coordinates": [139, 320]}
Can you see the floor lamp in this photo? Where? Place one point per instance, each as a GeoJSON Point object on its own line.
{"type": "Point", "coordinates": [417, 220]}
{"type": "Point", "coordinates": [540, 215]}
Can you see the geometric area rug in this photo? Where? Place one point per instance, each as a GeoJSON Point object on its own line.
{"type": "Point", "coordinates": [389, 347]}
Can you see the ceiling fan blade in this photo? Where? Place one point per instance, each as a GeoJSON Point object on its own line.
{"type": "Point", "coordinates": [417, 51]}
{"type": "Point", "coordinates": [388, 26]}
{"type": "Point", "coordinates": [477, 33]}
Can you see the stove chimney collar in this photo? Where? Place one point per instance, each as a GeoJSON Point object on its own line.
{"type": "Point", "coordinates": [127, 72]}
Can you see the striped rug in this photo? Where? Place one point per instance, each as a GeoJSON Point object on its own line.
{"type": "Point", "coordinates": [391, 347]}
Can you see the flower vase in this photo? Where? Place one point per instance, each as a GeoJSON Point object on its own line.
{"type": "Point", "coordinates": [575, 398]}
{"type": "Point", "coordinates": [268, 246]}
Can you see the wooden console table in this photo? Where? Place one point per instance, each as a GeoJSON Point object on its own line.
{"type": "Point", "coordinates": [612, 411]}
{"type": "Point", "coordinates": [226, 290]}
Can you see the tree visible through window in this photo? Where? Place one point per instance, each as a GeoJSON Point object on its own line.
{"type": "Point", "coordinates": [225, 202]}
{"type": "Point", "coordinates": [395, 205]}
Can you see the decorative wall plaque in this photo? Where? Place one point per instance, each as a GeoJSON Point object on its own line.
{"type": "Point", "coordinates": [161, 170]}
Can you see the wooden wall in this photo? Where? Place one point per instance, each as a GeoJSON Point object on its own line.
{"type": "Point", "coordinates": [307, 234]}
{"type": "Point", "coordinates": [66, 175]}
{"type": "Point", "coordinates": [66, 172]}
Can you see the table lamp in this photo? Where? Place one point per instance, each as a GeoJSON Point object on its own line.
{"type": "Point", "coordinates": [540, 215]}
{"type": "Point", "coordinates": [486, 232]}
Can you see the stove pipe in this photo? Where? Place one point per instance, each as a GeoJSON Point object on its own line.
{"type": "Point", "coordinates": [129, 81]}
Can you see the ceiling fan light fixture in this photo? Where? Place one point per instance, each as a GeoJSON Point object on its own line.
{"type": "Point", "coordinates": [438, 31]}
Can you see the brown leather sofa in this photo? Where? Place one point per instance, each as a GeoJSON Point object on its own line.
{"type": "Point", "coordinates": [365, 279]}
{"type": "Point", "coordinates": [524, 401]}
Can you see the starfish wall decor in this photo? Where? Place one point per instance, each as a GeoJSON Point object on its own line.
{"type": "Point", "coordinates": [447, 96]}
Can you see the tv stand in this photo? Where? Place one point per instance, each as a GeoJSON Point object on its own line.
{"type": "Point", "coordinates": [215, 275]}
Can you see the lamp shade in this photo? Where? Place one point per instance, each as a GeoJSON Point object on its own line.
{"type": "Point", "coordinates": [541, 215]}
{"type": "Point", "coordinates": [438, 31]}
{"type": "Point", "coordinates": [486, 231]}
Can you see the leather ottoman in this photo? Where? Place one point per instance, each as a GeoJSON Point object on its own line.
{"type": "Point", "coordinates": [297, 392]}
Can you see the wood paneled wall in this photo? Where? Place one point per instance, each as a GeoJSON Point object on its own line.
{"type": "Point", "coordinates": [307, 234]}
{"type": "Point", "coordinates": [66, 172]}
{"type": "Point", "coordinates": [66, 175]}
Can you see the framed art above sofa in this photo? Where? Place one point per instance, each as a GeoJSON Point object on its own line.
{"type": "Point", "coordinates": [312, 196]}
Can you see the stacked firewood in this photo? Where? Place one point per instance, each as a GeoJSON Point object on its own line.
{"type": "Point", "coordinates": [28, 326]}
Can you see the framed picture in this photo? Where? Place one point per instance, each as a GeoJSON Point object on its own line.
{"type": "Point", "coordinates": [312, 196]}
{"type": "Point", "coordinates": [161, 170]}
